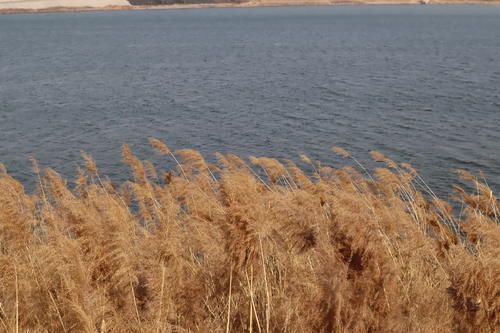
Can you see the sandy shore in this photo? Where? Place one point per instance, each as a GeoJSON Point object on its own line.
{"type": "Point", "coordinates": [264, 3]}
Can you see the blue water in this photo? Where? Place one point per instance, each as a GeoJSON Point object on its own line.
{"type": "Point", "coordinates": [420, 84]}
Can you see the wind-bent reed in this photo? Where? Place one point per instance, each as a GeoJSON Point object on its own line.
{"type": "Point", "coordinates": [208, 248]}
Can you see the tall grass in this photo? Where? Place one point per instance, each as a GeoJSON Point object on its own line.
{"type": "Point", "coordinates": [238, 247]}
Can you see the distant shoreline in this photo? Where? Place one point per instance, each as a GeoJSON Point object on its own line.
{"type": "Point", "coordinates": [246, 5]}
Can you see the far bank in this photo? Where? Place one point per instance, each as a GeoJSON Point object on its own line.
{"type": "Point", "coordinates": [49, 6]}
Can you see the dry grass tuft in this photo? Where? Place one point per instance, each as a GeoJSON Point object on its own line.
{"type": "Point", "coordinates": [216, 248]}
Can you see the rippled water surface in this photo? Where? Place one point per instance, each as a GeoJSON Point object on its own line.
{"type": "Point", "coordinates": [418, 83]}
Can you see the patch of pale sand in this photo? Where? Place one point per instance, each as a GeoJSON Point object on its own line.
{"type": "Point", "coordinates": [39, 4]}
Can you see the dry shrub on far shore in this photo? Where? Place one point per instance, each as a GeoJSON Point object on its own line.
{"type": "Point", "coordinates": [241, 248]}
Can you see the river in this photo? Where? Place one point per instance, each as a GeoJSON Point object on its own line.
{"type": "Point", "coordinates": [420, 84]}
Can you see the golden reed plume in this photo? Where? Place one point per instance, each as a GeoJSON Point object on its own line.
{"type": "Point", "coordinates": [242, 248]}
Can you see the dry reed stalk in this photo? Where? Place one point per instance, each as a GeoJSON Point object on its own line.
{"type": "Point", "coordinates": [228, 326]}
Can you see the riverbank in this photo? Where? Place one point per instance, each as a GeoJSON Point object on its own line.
{"type": "Point", "coordinates": [275, 3]}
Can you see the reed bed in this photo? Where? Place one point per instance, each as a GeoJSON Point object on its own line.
{"type": "Point", "coordinates": [258, 246]}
